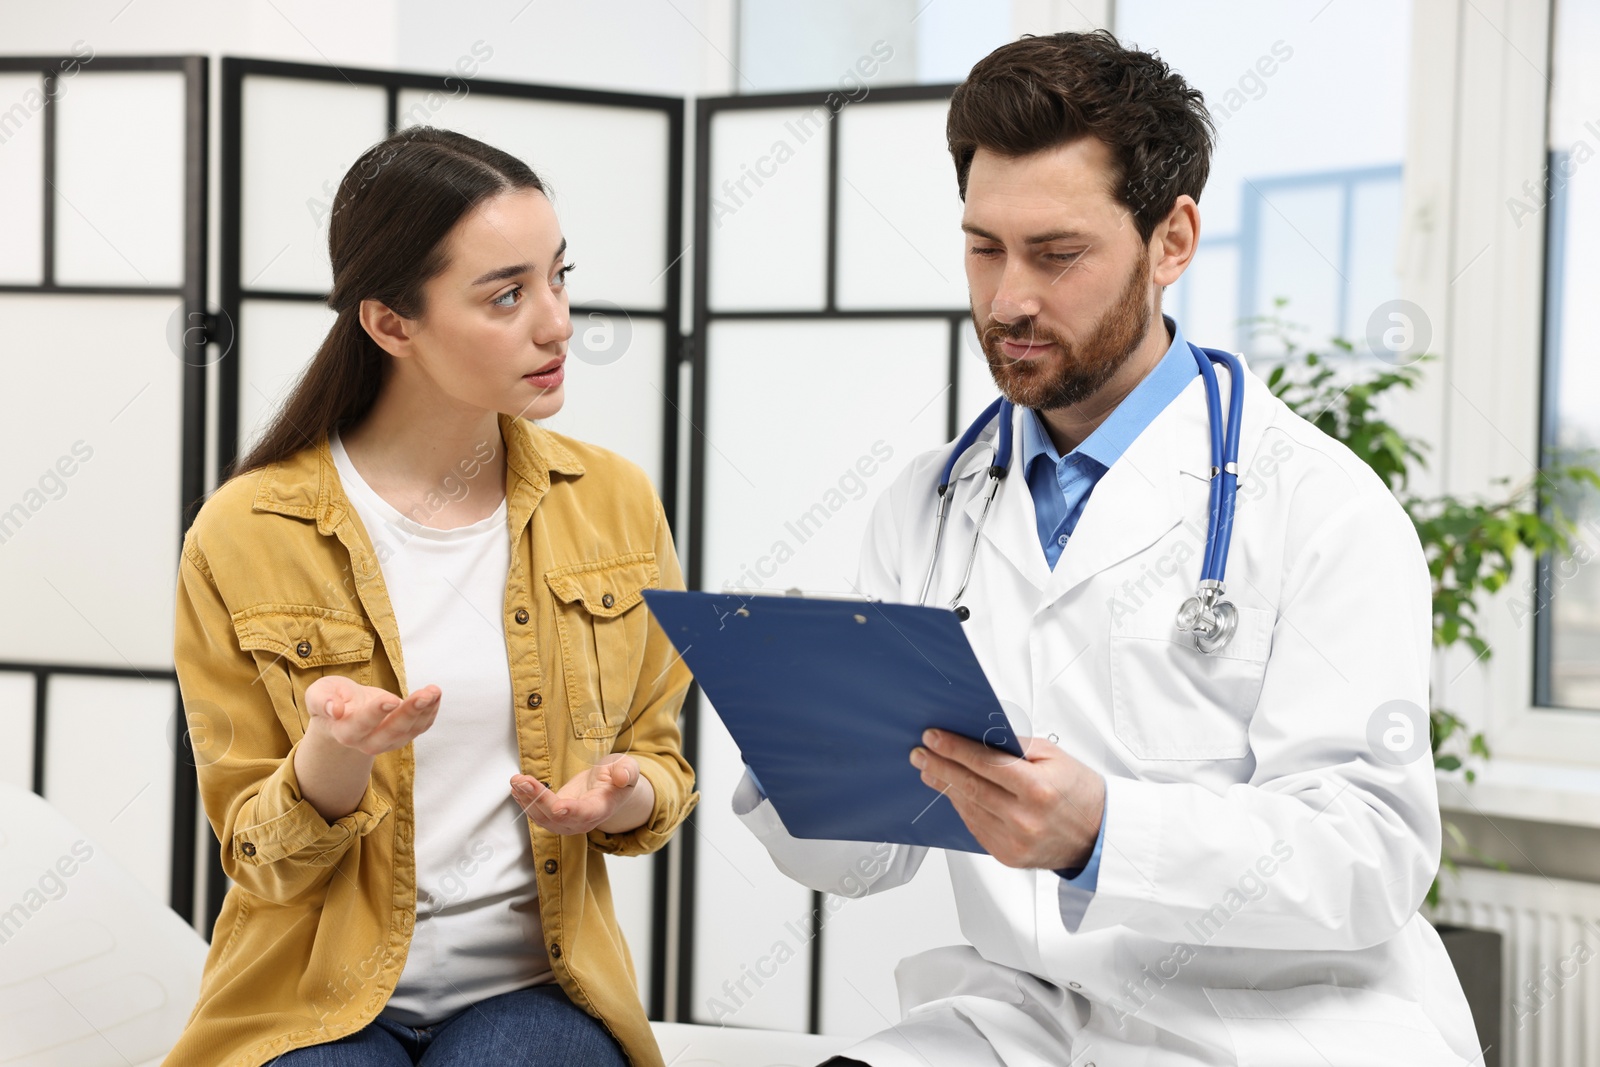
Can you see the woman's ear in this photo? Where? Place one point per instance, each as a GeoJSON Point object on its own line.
{"type": "Point", "coordinates": [388, 328]}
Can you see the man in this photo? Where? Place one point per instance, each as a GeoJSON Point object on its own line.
{"type": "Point", "coordinates": [1208, 858]}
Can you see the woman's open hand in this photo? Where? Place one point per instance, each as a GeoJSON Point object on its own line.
{"type": "Point", "coordinates": [611, 796]}
{"type": "Point", "coordinates": [366, 718]}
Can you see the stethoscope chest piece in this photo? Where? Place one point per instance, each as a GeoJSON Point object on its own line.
{"type": "Point", "coordinates": [1207, 618]}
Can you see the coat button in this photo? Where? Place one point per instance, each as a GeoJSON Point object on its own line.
{"type": "Point", "coordinates": [534, 700]}
{"type": "Point", "coordinates": [304, 648]}
{"type": "Point", "coordinates": [248, 848]}
{"type": "Point", "coordinates": [1075, 985]}
{"type": "Point", "coordinates": [555, 950]}
{"type": "Point", "coordinates": [549, 866]}
{"type": "Point", "coordinates": [608, 600]}
{"type": "Point", "coordinates": [522, 615]}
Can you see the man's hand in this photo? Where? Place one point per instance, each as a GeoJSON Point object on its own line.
{"type": "Point", "coordinates": [1042, 810]}
{"type": "Point", "coordinates": [612, 795]}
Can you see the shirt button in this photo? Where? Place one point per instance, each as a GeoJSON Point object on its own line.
{"type": "Point", "coordinates": [534, 700]}
{"type": "Point", "coordinates": [555, 950]}
{"type": "Point", "coordinates": [303, 648]}
{"type": "Point", "coordinates": [549, 866]}
{"type": "Point", "coordinates": [608, 600]}
{"type": "Point", "coordinates": [1061, 540]}
{"type": "Point", "coordinates": [1052, 739]}
{"type": "Point", "coordinates": [248, 848]}
{"type": "Point", "coordinates": [522, 615]}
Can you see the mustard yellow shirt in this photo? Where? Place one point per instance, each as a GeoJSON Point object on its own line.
{"type": "Point", "coordinates": [278, 585]}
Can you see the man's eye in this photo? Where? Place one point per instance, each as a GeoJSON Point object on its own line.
{"type": "Point", "coordinates": [985, 251]}
{"type": "Point", "coordinates": [1064, 257]}
{"type": "Point", "coordinates": [509, 292]}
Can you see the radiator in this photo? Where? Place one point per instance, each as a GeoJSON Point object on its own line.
{"type": "Point", "coordinates": [1550, 1011]}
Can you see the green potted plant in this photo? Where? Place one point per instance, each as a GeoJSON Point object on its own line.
{"type": "Point", "coordinates": [1472, 547]}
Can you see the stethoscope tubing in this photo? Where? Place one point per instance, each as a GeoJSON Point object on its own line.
{"type": "Point", "coordinates": [1224, 442]}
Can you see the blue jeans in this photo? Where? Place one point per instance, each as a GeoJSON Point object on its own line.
{"type": "Point", "coordinates": [533, 1027]}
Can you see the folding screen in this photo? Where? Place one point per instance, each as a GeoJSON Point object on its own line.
{"type": "Point", "coordinates": [102, 292]}
{"type": "Point", "coordinates": [835, 338]}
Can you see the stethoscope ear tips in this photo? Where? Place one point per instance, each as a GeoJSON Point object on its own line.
{"type": "Point", "coordinates": [963, 613]}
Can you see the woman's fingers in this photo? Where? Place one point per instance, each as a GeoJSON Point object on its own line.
{"type": "Point", "coordinates": [403, 722]}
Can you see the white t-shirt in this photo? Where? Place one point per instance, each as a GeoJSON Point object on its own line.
{"type": "Point", "coordinates": [477, 932]}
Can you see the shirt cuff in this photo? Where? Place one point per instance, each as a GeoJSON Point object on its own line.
{"type": "Point", "coordinates": [1078, 886]}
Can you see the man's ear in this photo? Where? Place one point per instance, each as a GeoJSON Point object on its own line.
{"type": "Point", "coordinates": [1176, 239]}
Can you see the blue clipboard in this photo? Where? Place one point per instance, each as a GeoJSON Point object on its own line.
{"type": "Point", "coordinates": [826, 699]}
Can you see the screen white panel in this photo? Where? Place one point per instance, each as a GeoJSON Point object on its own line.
{"type": "Point", "coordinates": [108, 767]}
{"type": "Point", "coordinates": [22, 178]}
{"type": "Point", "coordinates": [769, 209]}
{"type": "Point", "coordinates": [300, 138]}
{"type": "Point", "coordinates": [90, 468]}
{"type": "Point", "coordinates": [607, 174]}
{"type": "Point", "coordinates": [900, 239]}
{"type": "Point", "coordinates": [752, 923]}
{"type": "Point", "coordinates": [976, 388]}
{"type": "Point", "coordinates": [795, 412]}
{"type": "Point", "coordinates": [863, 939]}
{"type": "Point", "coordinates": [119, 179]}
{"type": "Point", "coordinates": [632, 893]}
{"type": "Point", "coordinates": [615, 387]}
{"type": "Point", "coordinates": [277, 339]}
{"type": "Point", "coordinates": [16, 729]}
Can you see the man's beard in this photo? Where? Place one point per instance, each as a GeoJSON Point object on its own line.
{"type": "Point", "coordinates": [1071, 375]}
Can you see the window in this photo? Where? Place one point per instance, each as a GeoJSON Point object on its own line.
{"type": "Point", "coordinates": [1303, 200]}
{"type": "Point", "coordinates": [1567, 637]}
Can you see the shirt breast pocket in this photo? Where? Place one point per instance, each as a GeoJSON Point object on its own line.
{"type": "Point", "coordinates": [1171, 701]}
{"type": "Point", "coordinates": [295, 644]}
{"type": "Point", "coordinates": [602, 623]}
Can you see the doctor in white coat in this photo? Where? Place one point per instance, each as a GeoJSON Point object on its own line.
{"type": "Point", "coordinates": [1204, 858]}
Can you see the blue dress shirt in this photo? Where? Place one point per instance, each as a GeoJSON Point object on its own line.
{"type": "Point", "coordinates": [1060, 487]}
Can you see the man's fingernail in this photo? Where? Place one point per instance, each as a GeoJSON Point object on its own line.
{"type": "Point", "coordinates": [427, 701]}
{"type": "Point", "coordinates": [561, 811]}
{"type": "Point", "coordinates": [930, 737]}
{"type": "Point", "coordinates": [389, 705]}
{"type": "Point", "coordinates": [918, 758]}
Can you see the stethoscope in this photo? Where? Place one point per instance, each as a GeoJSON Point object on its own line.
{"type": "Point", "coordinates": [1206, 617]}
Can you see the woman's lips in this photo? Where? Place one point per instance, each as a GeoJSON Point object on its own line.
{"type": "Point", "coordinates": [548, 378]}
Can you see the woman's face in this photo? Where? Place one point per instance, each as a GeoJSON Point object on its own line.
{"type": "Point", "coordinates": [494, 329]}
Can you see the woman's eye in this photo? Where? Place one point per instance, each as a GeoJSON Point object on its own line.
{"type": "Point", "coordinates": [508, 292]}
{"type": "Point", "coordinates": [561, 275]}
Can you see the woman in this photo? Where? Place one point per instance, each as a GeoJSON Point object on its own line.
{"type": "Point", "coordinates": [408, 888]}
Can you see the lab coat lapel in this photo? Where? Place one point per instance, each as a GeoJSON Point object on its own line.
{"type": "Point", "coordinates": [1142, 496]}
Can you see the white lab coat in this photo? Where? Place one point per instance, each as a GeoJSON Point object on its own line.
{"type": "Point", "coordinates": [1262, 866]}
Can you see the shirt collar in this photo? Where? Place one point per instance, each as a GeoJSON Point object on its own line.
{"type": "Point", "coordinates": [306, 484]}
{"type": "Point", "coordinates": [1129, 418]}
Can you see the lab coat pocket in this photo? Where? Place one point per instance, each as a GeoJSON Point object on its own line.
{"type": "Point", "coordinates": [1173, 702]}
{"type": "Point", "coordinates": [603, 623]}
{"type": "Point", "coordinates": [295, 644]}
{"type": "Point", "coordinates": [1317, 1025]}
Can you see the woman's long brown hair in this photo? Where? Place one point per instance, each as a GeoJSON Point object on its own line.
{"type": "Point", "coordinates": [386, 233]}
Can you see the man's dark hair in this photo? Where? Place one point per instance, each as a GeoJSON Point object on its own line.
{"type": "Point", "coordinates": [1040, 92]}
